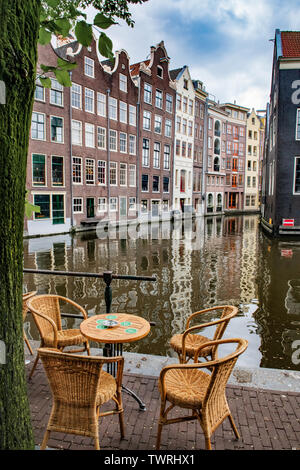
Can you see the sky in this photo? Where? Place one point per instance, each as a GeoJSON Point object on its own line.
{"type": "Point", "coordinates": [227, 44]}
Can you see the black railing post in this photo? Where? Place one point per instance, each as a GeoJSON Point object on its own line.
{"type": "Point", "coordinates": [107, 277]}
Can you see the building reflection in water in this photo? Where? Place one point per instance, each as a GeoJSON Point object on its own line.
{"type": "Point", "coordinates": [204, 262]}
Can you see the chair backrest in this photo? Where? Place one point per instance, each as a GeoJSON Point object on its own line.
{"type": "Point", "coordinates": [47, 305]}
{"type": "Point", "coordinates": [214, 402]}
{"type": "Point", "coordinates": [26, 297]}
{"type": "Point", "coordinates": [229, 311]}
{"type": "Point", "coordinates": [73, 379]}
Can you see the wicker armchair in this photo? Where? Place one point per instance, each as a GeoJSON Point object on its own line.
{"type": "Point", "coordinates": [187, 343]}
{"type": "Point", "coordinates": [79, 387]}
{"type": "Point", "coordinates": [46, 312]}
{"type": "Point", "coordinates": [27, 296]}
{"type": "Point", "coordinates": [188, 386]}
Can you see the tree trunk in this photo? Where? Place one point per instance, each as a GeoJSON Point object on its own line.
{"type": "Point", "coordinates": [19, 21]}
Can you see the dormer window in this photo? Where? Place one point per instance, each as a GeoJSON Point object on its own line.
{"type": "Point", "coordinates": [185, 84]}
{"type": "Point", "coordinates": [160, 72]}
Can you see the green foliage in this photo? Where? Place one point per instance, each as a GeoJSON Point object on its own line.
{"type": "Point", "coordinates": [30, 208]}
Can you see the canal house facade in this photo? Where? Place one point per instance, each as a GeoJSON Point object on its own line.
{"type": "Point", "coordinates": [281, 168]}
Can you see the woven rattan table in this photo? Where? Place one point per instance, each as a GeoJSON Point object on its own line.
{"type": "Point", "coordinates": [129, 328]}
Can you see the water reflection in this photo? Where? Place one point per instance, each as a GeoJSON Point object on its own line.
{"type": "Point", "coordinates": [197, 264]}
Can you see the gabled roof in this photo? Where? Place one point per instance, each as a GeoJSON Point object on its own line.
{"type": "Point", "coordinates": [290, 41]}
{"type": "Point", "coordinates": [174, 73]}
{"type": "Point", "coordinates": [135, 68]}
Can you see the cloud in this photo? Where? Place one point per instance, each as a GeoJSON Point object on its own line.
{"type": "Point", "coordinates": [225, 43]}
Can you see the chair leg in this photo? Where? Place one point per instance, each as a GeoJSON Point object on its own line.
{"type": "Point", "coordinates": [207, 443]}
{"type": "Point", "coordinates": [45, 440]}
{"type": "Point", "coordinates": [34, 365]}
{"type": "Point", "coordinates": [160, 424]}
{"type": "Point", "coordinates": [233, 426]}
{"type": "Point", "coordinates": [97, 444]}
{"type": "Point", "coordinates": [28, 344]}
{"type": "Point", "coordinates": [87, 347]}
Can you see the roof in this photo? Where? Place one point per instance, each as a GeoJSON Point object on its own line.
{"type": "Point", "coordinates": [174, 73]}
{"type": "Point", "coordinates": [135, 68]}
{"type": "Point", "coordinates": [290, 43]}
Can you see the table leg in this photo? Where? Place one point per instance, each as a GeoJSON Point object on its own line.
{"type": "Point", "coordinates": [111, 350]}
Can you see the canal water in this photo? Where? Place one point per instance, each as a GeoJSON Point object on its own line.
{"type": "Point", "coordinates": [197, 264]}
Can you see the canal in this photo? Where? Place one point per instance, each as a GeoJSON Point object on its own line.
{"type": "Point", "coordinates": [197, 264]}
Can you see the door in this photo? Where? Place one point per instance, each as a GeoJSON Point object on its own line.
{"type": "Point", "coordinates": [90, 207]}
{"type": "Point", "coordinates": [123, 206]}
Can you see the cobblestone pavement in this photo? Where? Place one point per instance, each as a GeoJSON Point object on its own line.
{"type": "Point", "coordinates": [266, 420]}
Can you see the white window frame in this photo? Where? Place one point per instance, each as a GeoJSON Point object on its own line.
{"type": "Point", "coordinates": [123, 172]}
{"type": "Point", "coordinates": [80, 204]}
{"type": "Point", "coordinates": [103, 136]}
{"type": "Point", "coordinates": [101, 104]}
{"type": "Point", "coordinates": [89, 64]}
{"type": "Point", "coordinates": [121, 141]}
{"type": "Point", "coordinates": [77, 130]}
{"type": "Point", "coordinates": [60, 89]}
{"type": "Point", "coordinates": [44, 126]}
{"type": "Point", "coordinates": [87, 164]}
{"type": "Point", "coordinates": [132, 144]}
{"type": "Point", "coordinates": [132, 176]}
{"type": "Point", "coordinates": [63, 130]}
{"type": "Point", "coordinates": [113, 108]}
{"type": "Point", "coordinates": [132, 115]}
{"type": "Point", "coordinates": [91, 98]}
{"type": "Point", "coordinates": [123, 82]}
{"type": "Point", "coordinates": [76, 93]}
{"type": "Point", "coordinates": [113, 166]}
{"type": "Point", "coordinates": [88, 125]}
{"type": "Point", "coordinates": [113, 137]}
{"type": "Point", "coordinates": [76, 163]}
{"type": "Point", "coordinates": [101, 164]}
{"type": "Point", "coordinates": [123, 112]}
{"type": "Point", "coordinates": [102, 206]}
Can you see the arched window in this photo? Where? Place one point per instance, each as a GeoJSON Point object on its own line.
{"type": "Point", "coordinates": [219, 200]}
{"type": "Point", "coordinates": [217, 146]}
{"type": "Point", "coordinates": [216, 164]}
{"type": "Point", "coordinates": [210, 202]}
{"type": "Point", "coordinates": [217, 128]}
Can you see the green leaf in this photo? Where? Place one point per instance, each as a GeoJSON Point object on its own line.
{"type": "Point", "coordinates": [102, 21]}
{"type": "Point", "coordinates": [47, 68]}
{"type": "Point", "coordinates": [53, 3]}
{"type": "Point", "coordinates": [84, 33]}
{"type": "Point", "coordinates": [63, 26]}
{"type": "Point", "coordinates": [44, 36]}
{"type": "Point", "coordinates": [63, 77]}
{"type": "Point", "coordinates": [65, 65]}
{"type": "Point", "coordinates": [46, 82]}
{"type": "Point", "coordinates": [105, 46]}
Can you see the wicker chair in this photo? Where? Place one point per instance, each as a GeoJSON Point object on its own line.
{"type": "Point", "coordinates": [79, 387]}
{"type": "Point", "coordinates": [46, 312]}
{"type": "Point", "coordinates": [189, 387]}
{"type": "Point", "coordinates": [187, 343]}
{"type": "Point", "coordinates": [27, 296]}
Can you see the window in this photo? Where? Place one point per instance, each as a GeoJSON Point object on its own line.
{"type": "Point", "coordinates": [167, 157]}
{"type": "Point", "coordinates": [178, 124]}
{"type": "Point", "coordinates": [132, 175]}
{"type": "Point", "coordinates": [38, 126]}
{"type": "Point", "coordinates": [58, 211]}
{"type": "Point", "coordinates": [156, 155]}
{"type": "Point", "coordinates": [89, 100]}
{"type": "Point", "coordinates": [38, 170]}
{"type": "Point", "coordinates": [183, 149]}
{"type": "Point", "coordinates": [165, 205]}
{"type": "Point", "coordinates": [160, 72]}
{"type": "Point", "coordinates": [178, 147]}
{"type": "Point", "coordinates": [169, 103]}
{"type": "Point", "coordinates": [101, 204]}
{"type": "Point", "coordinates": [217, 146]}
{"type": "Point", "coordinates": [123, 142]}
{"type": "Point", "coordinates": [89, 135]}
{"type": "Point", "coordinates": [159, 99]}
{"type": "Point", "coordinates": [147, 120]}
{"type": "Point", "coordinates": [228, 129]}
{"type": "Point", "coordinates": [168, 128]}
{"type": "Point", "coordinates": [123, 112]}
{"type": "Point", "coordinates": [191, 107]}
{"type": "Point", "coordinates": [113, 204]}
{"type": "Point", "coordinates": [77, 169]}
{"type": "Point", "coordinates": [247, 200]}
{"type": "Point", "coordinates": [145, 183]}
{"type": "Point", "coordinates": [132, 115]}
{"type": "Point", "coordinates": [185, 84]}
{"type": "Point", "coordinates": [144, 206]}
{"type": "Point", "coordinates": [216, 164]}
{"type": "Point", "coordinates": [102, 172]}
{"type": "Point", "coordinates": [148, 93]}
{"type": "Point", "coordinates": [132, 203]}
{"type": "Point", "coordinates": [77, 205]}
{"type": "Point", "coordinates": [57, 171]}
{"type": "Point", "coordinates": [132, 145]}
{"type": "Point", "coordinates": [253, 182]}
{"type": "Point", "coordinates": [76, 96]}
{"type": "Point", "coordinates": [101, 104]}
{"type": "Point", "coordinates": [89, 67]}
{"type": "Point", "coordinates": [39, 93]}
{"type": "Point", "coordinates": [189, 153]}
{"type": "Point", "coordinates": [57, 129]}
{"type": "Point", "coordinates": [89, 171]}
{"type": "Point", "coordinates": [298, 125]}
{"type": "Point", "coordinates": [146, 150]}
{"type": "Point", "coordinates": [178, 102]}
{"type": "Point", "coordinates": [113, 140]}
{"type": "Point", "coordinates": [166, 181]}
{"type": "Point", "coordinates": [185, 103]}
{"type": "Point", "coordinates": [113, 173]}
{"type": "Point", "coordinates": [113, 109]}
{"type": "Point", "coordinates": [190, 131]}
{"type": "Point", "coordinates": [233, 181]}
{"type": "Point", "coordinates": [297, 176]}
{"type": "Point", "coordinates": [155, 184]}
{"type": "Point", "coordinates": [56, 93]}
{"type": "Point", "coordinates": [157, 124]}
{"type": "Point", "coordinates": [43, 201]}
{"type": "Point", "coordinates": [123, 174]}
{"type": "Point", "coordinates": [76, 132]}
{"type": "Point", "coordinates": [123, 82]}
{"type": "Point", "coordinates": [101, 137]}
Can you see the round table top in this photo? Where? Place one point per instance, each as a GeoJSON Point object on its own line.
{"type": "Point", "coordinates": [129, 328]}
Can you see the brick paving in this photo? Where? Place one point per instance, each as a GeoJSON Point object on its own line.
{"type": "Point", "coordinates": [266, 420]}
